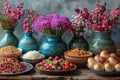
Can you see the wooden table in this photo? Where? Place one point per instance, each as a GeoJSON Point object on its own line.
{"type": "Point", "coordinates": [77, 75]}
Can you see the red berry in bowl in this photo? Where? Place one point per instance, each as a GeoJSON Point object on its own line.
{"type": "Point", "coordinates": [72, 65]}
{"type": "Point", "coordinates": [67, 67]}
{"type": "Point", "coordinates": [61, 59]}
{"type": "Point", "coordinates": [45, 64]}
{"type": "Point", "coordinates": [50, 58]}
{"type": "Point", "coordinates": [57, 63]}
{"type": "Point", "coordinates": [60, 68]}
{"type": "Point", "coordinates": [56, 58]}
{"type": "Point", "coordinates": [48, 67]}
{"type": "Point", "coordinates": [53, 67]}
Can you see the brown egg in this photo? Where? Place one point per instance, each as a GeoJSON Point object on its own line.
{"type": "Point", "coordinates": [97, 58]}
{"type": "Point", "coordinates": [99, 67]}
{"type": "Point", "coordinates": [117, 67]}
{"type": "Point", "coordinates": [91, 64]}
{"type": "Point", "coordinates": [112, 60]}
{"type": "Point", "coordinates": [90, 59]}
{"type": "Point", "coordinates": [105, 53]}
{"type": "Point", "coordinates": [109, 67]}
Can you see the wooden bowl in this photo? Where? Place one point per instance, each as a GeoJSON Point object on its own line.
{"type": "Point", "coordinates": [79, 61]}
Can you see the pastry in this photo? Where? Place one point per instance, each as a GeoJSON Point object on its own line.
{"type": "Point", "coordinates": [91, 64]}
{"type": "Point", "coordinates": [112, 60]}
{"type": "Point", "coordinates": [109, 67]}
{"type": "Point", "coordinates": [97, 58]}
{"type": "Point", "coordinates": [99, 67]}
{"type": "Point", "coordinates": [105, 54]}
{"type": "Point", "coordinates": [90, 59]}
{"type": "Point", "coordinates": [117, 67]}
{"type": "Point", "coordinates": [113, 55]}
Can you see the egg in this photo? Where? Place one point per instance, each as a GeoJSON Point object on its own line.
{"type": "Point", "coordinates": [91, 64]}
{"type": "Point", "coordinates": [105, 53]}
{"type": "Point", "coordinates": [99, 67]}
{"type": "Point", "coordinates": [90, 59]}
{"type": "Point", "coordinates": [117, 67]}
{"type": "Point", "coordinates": [112, 60]}
{"type": "Point", "coordinates": [108, 67]}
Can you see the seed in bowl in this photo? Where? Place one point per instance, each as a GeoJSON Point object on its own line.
{"type": "Point", "coordinates": [77, 53]}
{"type": "Point", "coordinates": [32, 55]}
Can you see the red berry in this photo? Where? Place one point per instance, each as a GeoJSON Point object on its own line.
{"type": "Point", "coordinates": [56, 58]}
{"type": "Point", "coordinates": [72, 65]}
{"type": "Point", "coordinates": [50, 58]}
{"type": "Point", "coordinates": [45, 64]}
{"type": "Point", "coordinates": [53, 67]}
{"type": "Point", "coordinates": [61, 59]}
{"type": "Point", "coordinates": [67, 63]}
{"type": "Point", "coordinates": [48, 67]}
{"type": "Point", "coordinates": [60, 68]}
{"type": "Point", "coordinates": [40, 64]}
{"type": "Point", "coordinates": [57, 63]}
{"type": "Point", "coordinates": [67, 67]}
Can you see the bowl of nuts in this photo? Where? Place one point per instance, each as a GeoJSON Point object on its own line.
{"type": "Point", "coordinates": [77, 56]}
{"type": "Point", "coordinates": [10, 52]}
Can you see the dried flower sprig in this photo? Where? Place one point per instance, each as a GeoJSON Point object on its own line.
{"type": "Point", "coordinates": [29, 20]}
{"type": "Point", "coordinates": [102, 19]}
{"type": "Point", "coordinates": [9, 19]}
{"type": "Point", "coordinates": [79, 21]}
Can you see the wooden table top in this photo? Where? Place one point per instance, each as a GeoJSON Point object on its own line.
{"type": "Point", "coordinates": [76, 75]}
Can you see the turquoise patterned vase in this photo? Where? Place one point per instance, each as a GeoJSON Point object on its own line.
{"type": "Point", "coordinates": [102, 41]}
{"type": "Point", "coordinates": [79, 42]}
{"type": "Point", "coordinates": [9, 39]}
{"type": "Point", "coordinates": [53, 46]}
{"type": "Point", "coordinates": [28, 42]}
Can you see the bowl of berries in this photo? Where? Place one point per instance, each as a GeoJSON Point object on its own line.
{"type": "Point", "coordinates": [55, 66]}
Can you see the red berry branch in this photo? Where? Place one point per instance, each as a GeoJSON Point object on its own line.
{"type": "Point", "coordinates": [29, 20]}
{"type": "Point", "coordinates": [12, 15]}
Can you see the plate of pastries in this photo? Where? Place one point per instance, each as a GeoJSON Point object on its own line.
{"type": "Point", "coordinates": [104, 64]}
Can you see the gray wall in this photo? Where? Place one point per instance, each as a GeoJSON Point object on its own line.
{"type": "Point", "coordinates": [63, 7]}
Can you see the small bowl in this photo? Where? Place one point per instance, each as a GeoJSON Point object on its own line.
{"type": "Point", "coordinates": [79, 61]}
{"type": "Point", "coordinates": [33, 62]}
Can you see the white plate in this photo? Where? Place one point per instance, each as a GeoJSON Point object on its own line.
{"type": "Point", "coordinates": [28, 68]}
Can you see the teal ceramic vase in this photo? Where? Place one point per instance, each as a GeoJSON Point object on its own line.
{"type": "Point", "coordinates": [102, 41]}
{"type": "Point", "coordinates": [9, 39]}
{"type": "Point", "coordinates": [53, 46]}
{"type": "Point", "coordinates": [27, 42]}
{"type": "Point", "coordinates": [79, 42]}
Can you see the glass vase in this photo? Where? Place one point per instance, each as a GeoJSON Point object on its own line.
{"type": "Point", "coordinates": [28, 42]}
{"type": "Point", "coordinates": [79, 42]}
{"type": "Point", "coordinates": [9, 39]}
{"type": "Point", "coordinates": [53, 46]}
{"type": "Point", "coordinates": [102, 41]}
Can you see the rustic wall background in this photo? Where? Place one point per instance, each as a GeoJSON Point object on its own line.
{"type": "Point", "coordinates": [63, 7]}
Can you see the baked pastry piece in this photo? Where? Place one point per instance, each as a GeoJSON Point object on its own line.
{"type": "Point", "coordinates": [117, 67]}
{"type": "Point", "coordinates": [105, 54]}
{"type": "Point", "coordinates": [10, 51]}
{"type": "Point", "coordinates": [109, 67]}
{"type": "Point", "coordinates": [99, 67]}
{"type": "Point", "coordinates": [112, 60]}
